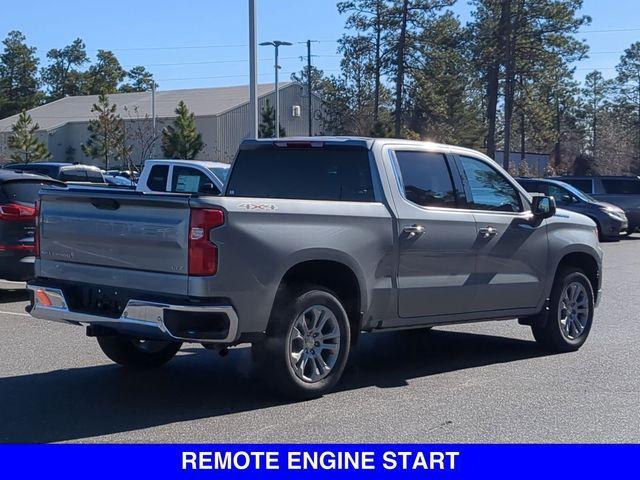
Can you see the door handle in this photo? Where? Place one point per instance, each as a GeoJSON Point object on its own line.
{"type": "Point", "coordinates": [487, 232]}
{"type": "Point", "coordinates": [413, 230]}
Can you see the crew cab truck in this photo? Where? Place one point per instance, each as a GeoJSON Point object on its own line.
{"type": "Point", "coordinates": [314, 241]}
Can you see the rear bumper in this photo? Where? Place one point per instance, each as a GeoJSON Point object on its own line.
{"type": "Point", "coordinates": [144, 319]}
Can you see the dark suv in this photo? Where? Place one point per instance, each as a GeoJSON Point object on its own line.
{"type": "Point", "coordinates": [65, 172]}
{"type": "Point", "coordinates": [621, 191]}
{"type": "Point", "coordinates": [611, 220]}
{"type": "Point", "coordinates": [18, 195]}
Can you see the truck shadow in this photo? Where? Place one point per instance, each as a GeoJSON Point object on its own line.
{"type": "Point", "coordinates": [78, 403]}
{"type": "Point", "coordinates": [12, 296]}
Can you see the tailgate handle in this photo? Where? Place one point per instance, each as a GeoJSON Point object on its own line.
{"type": "Point", "coordinates": [105, 203]}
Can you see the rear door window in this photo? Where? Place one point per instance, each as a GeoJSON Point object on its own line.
{"type": "Point", "coordinates": [95, 176]}
{"type": "Point", "coordinates": [158, 176]}
{"type": "Point", "coordinates": [426, 179]}
{"type": "Point", "coordinates": [584, 184]}
{"type": "Point", "coordinates": [191, 180]}
{"type": "Point", "coordinates": [303, 173]}
{"type": "Point", "coordinates": [621, 186]}
{"type": "Point", "coordinates": [23, 192]}
{"type": "Point", "coordinates": [535, 187]}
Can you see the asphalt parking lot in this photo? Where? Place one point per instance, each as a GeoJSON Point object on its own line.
{"type": "Point", "coordinates": [472, 383]}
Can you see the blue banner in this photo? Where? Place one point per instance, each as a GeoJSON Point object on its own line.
{"type": "Point", "coordinates": [285, 462]}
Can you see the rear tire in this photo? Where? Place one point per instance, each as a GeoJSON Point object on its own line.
{"type": "Point", "coordinates": [307, 344]}
{"type": "Point", "coordinates": [570, 314]}
{"type": "Point", "coordinates": [134, 353]}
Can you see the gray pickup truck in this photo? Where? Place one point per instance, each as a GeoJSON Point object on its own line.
{"type": "Point", "coordinates": [314, 241]}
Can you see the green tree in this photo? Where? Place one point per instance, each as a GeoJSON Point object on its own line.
{"type": "Point", "coordinates": [107, 139]}
{"type": "Point", "coordinates": [267, 127]}
{"type": "Point", "coordinates": [515, 42]}
{"type": "Point", "coordinates": [444, 104]}
{"type": "Point", "coordinates": [104, 76]}
{"type": "Point", "coordinates": [19, 81]}
{"type": "Point", "coordinates": [524, 170]}
{"type": "Point", "coordinates": [138, 80]}
{"type": "Point", "coordinates": [405, 21]}
{"type": "Point", "coordinates": [367, 18]}
{"type": "Point", "coordinates": [26, 146]}
{"type": "Point", "coordinates": [182, 139]}
{"type": "Point", "coordinates": [62, 76]}
{"type": "Point", "coordinates": [628, 85]}
{"type": "Point", "coordinates": [595, 100]}
{"type": "Point", "coordinates": [584, 164]}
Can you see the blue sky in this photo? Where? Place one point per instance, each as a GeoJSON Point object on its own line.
{"type": "Point", "coordinates": [196, 43]}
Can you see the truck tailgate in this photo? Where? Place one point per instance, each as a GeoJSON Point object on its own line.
{"type": "Point", "coordinates": [107, 228]}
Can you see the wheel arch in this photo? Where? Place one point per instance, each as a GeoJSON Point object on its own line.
{"type": "Point", "coordinates": [586, 262]}
{"type": "Point", "coordinates": [337, 275]}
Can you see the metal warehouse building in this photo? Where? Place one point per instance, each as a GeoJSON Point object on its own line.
{"type": "Point", "coordinates": [222, 116]}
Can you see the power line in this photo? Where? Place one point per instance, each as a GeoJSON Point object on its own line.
{"type": "Point", "coordinates": [611, 30]}
{"type": "Point", "coordinates": [189, 47]}
{"type": "Point", "coordinates": [211, 62]}
{"type": "Point", "coordinates": [225, 76]}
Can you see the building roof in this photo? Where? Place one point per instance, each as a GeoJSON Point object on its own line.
{"type": "Point", "coordinates": [200, 101]}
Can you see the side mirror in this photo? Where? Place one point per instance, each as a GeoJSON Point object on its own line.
{"type": "Point", "coordinates": [543, 206]}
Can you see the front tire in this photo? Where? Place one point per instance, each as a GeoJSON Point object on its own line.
{"type": "Point", "coordinates": [135, 353]}
{"type": "Point", "coordinates": [307, 344]}
{"type": "Point", "coordinates": [570, 315]}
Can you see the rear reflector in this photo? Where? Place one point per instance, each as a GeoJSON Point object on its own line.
{"type": "Point", "coordinates": [203, 253]}
{"type": "Point", "coordinates": [43, 298]}
{"type": "Point", "coordinates": [12, 212]}
{"type": "Point", "coordinates": [18, 248]}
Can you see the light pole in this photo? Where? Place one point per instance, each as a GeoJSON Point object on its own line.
{"type": "Point", "coordinates": [253, 71]}
{"type": "Point", "coordinates": [277, 44]}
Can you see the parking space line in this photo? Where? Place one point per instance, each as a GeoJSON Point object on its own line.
{"type": "Point", "coordinates": [15, 313]}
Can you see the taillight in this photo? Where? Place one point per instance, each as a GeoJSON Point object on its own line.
{"type": "Point", "coordinates": [13, 212]}
{"type": "Point", "coordinates": [36, 232]}
{"type": "Point", "coordinates": [203, 253]}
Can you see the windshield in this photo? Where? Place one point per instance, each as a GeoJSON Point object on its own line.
{"type": "Point", "coordinates": [221, 172]}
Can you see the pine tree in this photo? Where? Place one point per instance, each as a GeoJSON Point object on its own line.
{"type": "Point", "coordinates": [104, 76]}
{"type": "Point", "coordinates": [267, 127]}
{"type": "Point", "coordinates": [595, 98]}
{"type": "Point", "coordinates": [367, 17]}
{"type": "Point", "coordinates": [182, 139]}
{"type": "Point", "coordinates": [62, 76]}
{"type": "Point", "coordinates": [26, 146]}
{"type": "Point", "coordinates": [18, 76]}
{"type": "Point", "coordinates": [524, 170]}
{"type": "Point", "coordinates": [139, 80]}
{"type": "Point", "coordinates": [628, 83]}
{"type": "Point", "coordinates": [107, 140]}
{"type": "Point", "coordinates": [584, 165]}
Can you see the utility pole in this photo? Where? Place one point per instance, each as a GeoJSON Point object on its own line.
{"type": "Point", "coordinates": [277, 44]}
{"type": "Point", "coordinates": [253, 72]}
{"type": "Point", "coordinates": [309, 112]}
{"type": "Point", "coordinates": [153, 107]}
